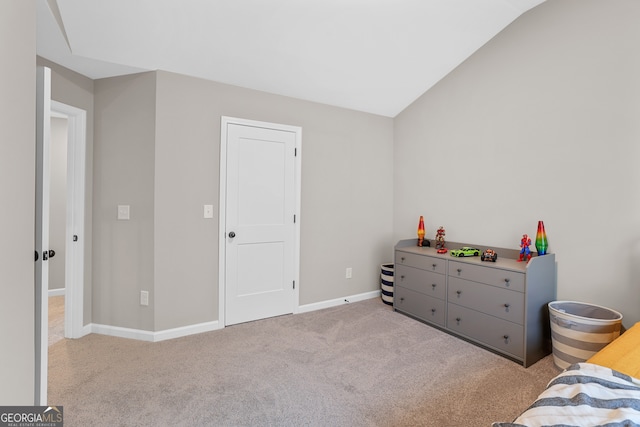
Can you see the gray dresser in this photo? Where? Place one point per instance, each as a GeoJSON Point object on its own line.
{"type": "Point", "coordinates": [500, 305]}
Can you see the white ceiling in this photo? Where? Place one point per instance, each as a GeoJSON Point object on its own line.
{"type": "Point", "coordinates": [376, 56]}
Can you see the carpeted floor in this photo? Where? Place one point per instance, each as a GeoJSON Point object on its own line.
{"type": "Point", "coordinates": [56, 319]}
{"type": "Point", "coordinates": [360, 364]}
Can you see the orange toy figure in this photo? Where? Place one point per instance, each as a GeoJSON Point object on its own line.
{"type": "Point", "coordinates": [440, 241]}
{"type": "Point", "coordinates": [421, 231]}
{"type": "Point", "coordinates": [525, 242]}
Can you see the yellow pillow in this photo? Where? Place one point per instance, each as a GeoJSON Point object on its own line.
{"type": "Point", "coordinates": [623, 354]}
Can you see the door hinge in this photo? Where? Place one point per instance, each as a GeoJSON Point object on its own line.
{"type": "Point", "coordinates": [294, 284]}
{"type": "Point", "coordinates": [295, 152]}
{"type": "Point", "coordinates": [294, 218]}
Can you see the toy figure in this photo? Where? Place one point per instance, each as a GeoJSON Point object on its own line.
{"type": "Point", "coordinates": [421, 231]}
{"type": "Point", "coordinates": [440, 240]}
{"type": "Point", "coordinates": [525, 242]}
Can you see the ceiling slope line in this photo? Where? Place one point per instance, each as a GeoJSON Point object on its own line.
{"type": "Point", "coordinates": [55, 11]}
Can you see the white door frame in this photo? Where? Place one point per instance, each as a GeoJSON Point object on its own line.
{"type": "Point", "coordinates": [76, 170]}
{"type": "Point", "coordinates": [225, 121]}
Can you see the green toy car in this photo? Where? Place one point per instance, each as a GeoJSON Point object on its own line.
{"type": "Point", "coordinates": [465, 251]}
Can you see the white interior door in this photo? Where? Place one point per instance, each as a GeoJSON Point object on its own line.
{"type": "Point", "coordinates": [260, 221]}
{"type": "Point", "coordinates": [43, 140]}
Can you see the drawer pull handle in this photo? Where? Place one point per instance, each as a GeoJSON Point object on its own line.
{"type": "Point", "coordinates": [433, 310]}
{"type": "Point", "coordinates": [402, 277]}
{"type": "Point", "coordinates": [401, 299]}
{"type": "Point", "coordinates": [459, 271]}
{"type": "Point", "coordinates": [506, 339]}
{"type": "Point", "coordinates": [458, 292]}
{"type": "Point", "coordinates": [434, 266]}
{"type": "Point", "coordinates": [458, 320]}
{"type": "Point", "coordinates": [506, 306]}
{"type": "Point", "coordinates": [402, 259]}
{"type": "Point", "coordinates": [506, 282]}
{"type": "Point", "coordinates": [433, 285]}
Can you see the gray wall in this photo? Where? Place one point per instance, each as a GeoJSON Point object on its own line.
{"type": "Point", "coordinates": [545, 113]}
{"type": "Point", "coordinates": [187, 157]}
{"type": "Point", "coordinates": [123, 174]}
{"type": "Point", "coordinates": [540, 124]}
{"type": "Point", "coordinates": [58, 204]}
{"type": "Point", "coordinates": [346, 187]}
{"type": "Point", "coordinates": [17, 187]}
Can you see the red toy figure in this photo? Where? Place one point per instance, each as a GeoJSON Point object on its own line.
{"type": "Point", "coordinates": [440, 240]}
{"type": "Point", "coordinates": [421, 231]}
{"type": "Point", "coordinates": [525, 242]}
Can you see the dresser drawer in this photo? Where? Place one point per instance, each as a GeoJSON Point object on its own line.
{"type": "Point", "coordinates": [503, 303]}
{"type": "Point", "coordinates": [499, 334]}
{"type": "Point", "coordinates": [492, 276]}
{"type": "Point", "coordinates": [437, 265]}
{"type": "Point", "coordinates": [426, 282]}
{"type": "Point", "coordinates": [419, 305]}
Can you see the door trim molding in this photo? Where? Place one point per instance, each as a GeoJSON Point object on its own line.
{"type": "Point", "coordinates": [76, 177]}
{"type": "Point", "coordinates": [225, 121]}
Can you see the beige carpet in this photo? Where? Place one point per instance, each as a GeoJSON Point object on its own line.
{"type": "Point", "coordinates": [56, 319]}
{"type": "Point", "coordinates": [360, 364]}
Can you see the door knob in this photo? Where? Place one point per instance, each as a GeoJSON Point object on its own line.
{"type": "Point", "coordinates": [232, 234]}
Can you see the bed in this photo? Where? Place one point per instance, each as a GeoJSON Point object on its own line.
{"type": "Point", "coordinates": [603, 391]}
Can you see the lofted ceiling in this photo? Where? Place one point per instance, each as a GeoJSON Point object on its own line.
{"type": "Point", "coordinates": [375, 56]}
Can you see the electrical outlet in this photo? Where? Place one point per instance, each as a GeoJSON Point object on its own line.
{"type": "Point", "coordinates": [349, 273]}
{"type": "Point", "coordinates": [144, 297]}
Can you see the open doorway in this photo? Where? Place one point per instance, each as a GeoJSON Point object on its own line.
{"type": "Point", "coordinates": [66, 221]}
{"type": "Point", "coordinates": [58, 225]}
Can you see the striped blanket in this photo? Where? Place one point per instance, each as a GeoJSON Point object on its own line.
{"type": "Point", "coordinates": [585, 395]}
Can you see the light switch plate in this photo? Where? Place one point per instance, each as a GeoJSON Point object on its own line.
{"type": "Point", "coordinates": [144, 298]}
{"type": "Point", "coordinates": [123, 212]}
{"type": "Point", "coordinates": [208, 211]}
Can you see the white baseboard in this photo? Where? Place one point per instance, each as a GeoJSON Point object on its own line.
{"type": "Point", "coordinates": [56, 292]}
{"type": "Point", "coordinates": [117, 331]}
{"type": "Point", "coordinates": [167, 334]}
{"type": "Point", "coordinates": [183, 331]}
{"type": "Point", "coordinates": [86, 330]}
{"type": "Point", "coordinates": [338, 301]}
{"type": "Point", "coordinates": [141, 335]}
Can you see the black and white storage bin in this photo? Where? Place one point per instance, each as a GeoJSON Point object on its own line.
{"type": "Point", "coordinates": [386, 283]}
{"type": "Point", "coordinates": [579, 330]}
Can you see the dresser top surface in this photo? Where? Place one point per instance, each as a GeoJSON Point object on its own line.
{"type": "Point", "coordinates": [507, 258]}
